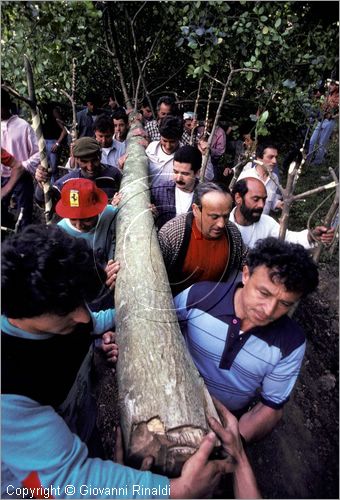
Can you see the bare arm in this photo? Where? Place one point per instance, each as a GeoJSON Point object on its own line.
{"type": "Point", "coordinates": [259, 421]}
{"type": "Point", "coordinates": [16, 172]}
{"type": "Point", "coordinates": [244, 481]}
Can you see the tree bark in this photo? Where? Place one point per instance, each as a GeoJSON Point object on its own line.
{"type": "Point", "coordinates": [162, 397]}
{"type": "Point", "coordinates": [36, 123]}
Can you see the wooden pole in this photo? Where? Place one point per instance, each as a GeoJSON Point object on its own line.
{"type": "Point", "coordinates": [36, 123]}
{"type": "Point", "coordinates": [162, 397]}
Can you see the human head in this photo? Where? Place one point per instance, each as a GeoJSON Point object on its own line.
{"type": "Point", "coordinates": [165, 106]}
{"type": "Point", "coordinates": [92, 101]}
{"type": "Point", "coordinates": [276, 275]}
{"type": "Point", "coordinates": [187, 162]}
{"type": "Point", "coordinates": [112, 102]}
{"type": "Point", "coordinates": [189, 119]}
{"type": "Point", "coordinates": [103, 131]}
{"type": "Point", "coordinates": [289, 264]}
{"type": "Point", "coordinates": [146, 110]}
{"type": "Point", "coordinates": [211, 207]}
{"type": "Point", "coordinates": [46, 271]}
{"type": "Point", "coordinates": [171, 130]}
{"type": "Point", "coordinates": [333, 87]}
{"type": "Point", "coordinates": [81, 202]}
{"type": "Point", "coordinates": [250, 196]}
{"type": "Point", "coordinates": [121, 123]}
{"type": "Point", "coordinates": [267, 153]}
{"type": "Point", "coordinates": [6, 105]}
{"type": "Point", "coordinates": [87, 153]}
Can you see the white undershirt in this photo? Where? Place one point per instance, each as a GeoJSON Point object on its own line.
{"type": "Point", "coordinates": [183, 201]}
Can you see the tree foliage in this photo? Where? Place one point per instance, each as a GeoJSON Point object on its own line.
{"type": "Point", "coordinates": [294, 45]}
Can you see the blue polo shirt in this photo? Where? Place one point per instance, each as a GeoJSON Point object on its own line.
{"type": "Point", "coordinates": [235, 365]}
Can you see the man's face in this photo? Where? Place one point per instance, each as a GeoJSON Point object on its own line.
{"type": "Point", "coordinates": [264, 300]}
{"type": "Point", "coordinates": [104, 138]}
{"type": "Point", "coordinates": [189, 124]}
{"type": "Point", "coordinates": [269, 157]}
{"type": "Point", "coordinates": [164, 110]}
{"type": "Point", "coordinates": [121, 128]}
{"type": "Point", "coordinates": [90, 166]}
{"type": "Point", "coordinates": [210, 123]}
{"type": "Point", "coordinates": [252, 204]}
{"type": "Point", "coordinates": [112, 103]}
{"type": "Point", "coordinates": [61, 325]}
{"type": "Point", "coordinates": [147, 113]}
{"type": "Point", "coordinates": [169, 146]}
{"type": "Point", "coordinates": [91, 106]}
{"type": "Point", "coordinates": [214, 214]}
{"type": "Point", "coordinates": [184, 176]}
{"type": "Point", "coordinates": [84, 225]}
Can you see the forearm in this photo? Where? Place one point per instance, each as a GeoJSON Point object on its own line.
{"type": "Point", "coordinates": [258, 422]}
{"type": "Point", "coordinates": [16, 173]}
{"type": "Point", "coordinates": [244, 481]}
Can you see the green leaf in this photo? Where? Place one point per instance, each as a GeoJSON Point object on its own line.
{"type": "Point", "coordinates": [249, 76]}
{"type": "Point", "coordinates": [277, 22]}
{"type": "Point", "coordinates": [263, 18]}
{"type": "Point", "coordinates": [265, 30]}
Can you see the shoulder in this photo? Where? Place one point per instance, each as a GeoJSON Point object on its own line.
{"type": "Point", "coordinates": [173, 225]}
{"type": "Point", "coordinates": [110, 171]}
{"type": "Point", "coordinates": [75, 174]}
{"type": "Point", "coordinates": [216, 298]}
{"type": "Point", "coordinates": [283, 333]}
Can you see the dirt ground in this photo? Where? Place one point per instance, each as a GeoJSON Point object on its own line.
{"type": "Point", "coordinates": [299, 459]}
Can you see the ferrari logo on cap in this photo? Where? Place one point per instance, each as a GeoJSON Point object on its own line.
{"type": "Point", "coordinates": [74, 198]}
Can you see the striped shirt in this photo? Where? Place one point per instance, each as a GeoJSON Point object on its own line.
{"type": "Point", "coordinates": [235, 365]}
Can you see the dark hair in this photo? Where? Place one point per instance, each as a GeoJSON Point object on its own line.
{"type": "Point", "coordinates": [145, 103]}
{"type": "Point", "coordinates": [189, 154]}
{"type": "Point", "coordinates": [6, 102]}
{"type": "Point", "coordinates": [103, 124]}
{"type": "Point", "coordinates": [206, 187]}
{"type": "Point", "coordinates": [240, 187]}
{"type": "Point", "coordinates": [171, 127]}
{"type": "Point", "coordinates": [290, 264]}
{"type": "Point", "coordinates": [168, 100]}
{"type": "Point", "coordinates": [45, 270]}
{"type": "Point", "coordinates": [261, 148]}
{"type": "Point", "coordinates": [120, 114]}
{"type": "Point", "coordinates": [92, 97]}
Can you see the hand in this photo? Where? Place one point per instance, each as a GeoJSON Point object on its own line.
{"type": "Point", "coordinates": [111, 270]}
{"type": "Point", "coordinates": [109, 347]}
{"type": "Point", "coordinates": [117, 198]}
{"type": "Point", "coordinates": [227, 171]}
{"type": "Point", "coordinates": [279, 205]}
{"type": "Point", "coordinates": [203, 146]}
{"type": "Point", "coordinates": [41, 175]}
{"type": "Point", "coordinates": [323, 234]}
{"type": "Point", "coordinates": [143, 142]}
{"type": "Point", "coordinates": [153, 209]}
{"type": "Point", "coordinates": [200, 476]}
{"type": "Point", "coordinates": [139, 131]}
{"type": "Point", "coordinates": [122, 160]}
{"type": "Point", "coordinates": [54, 148]}
{"type": "Point", "coordinates": [229, 434]}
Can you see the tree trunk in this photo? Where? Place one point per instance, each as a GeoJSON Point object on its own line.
{"type": "Point", "coordinates": [162, 397]}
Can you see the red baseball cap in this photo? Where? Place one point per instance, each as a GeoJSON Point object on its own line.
{"type": "Point", "coordinates": [80, 199]}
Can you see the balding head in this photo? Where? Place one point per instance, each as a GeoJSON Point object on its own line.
{"type": "Point", "coordinates": [250, 196]}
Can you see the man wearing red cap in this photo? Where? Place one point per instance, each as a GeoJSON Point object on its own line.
{"type": "Point", "coordinates": [86, 214]}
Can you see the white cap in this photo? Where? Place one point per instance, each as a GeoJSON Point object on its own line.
{"type": "Point", "coordinates": [189, 115]}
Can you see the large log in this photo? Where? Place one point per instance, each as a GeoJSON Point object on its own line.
{"type": "Point", "coordinates": [163, 400]}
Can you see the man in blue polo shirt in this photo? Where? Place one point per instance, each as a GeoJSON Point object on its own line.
{"type": "Point", "coordinates": [240, 337]}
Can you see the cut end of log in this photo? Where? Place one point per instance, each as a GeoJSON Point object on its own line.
{"type": "Point", "coordinates": [169, 449]}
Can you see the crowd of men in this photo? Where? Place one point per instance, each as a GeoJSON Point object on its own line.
{"type": "Point", "coordinates": [233, 283]}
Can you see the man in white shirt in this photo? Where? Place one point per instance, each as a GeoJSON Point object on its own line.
{"type": "Point", "coordinates": [174, 197]}
{"type": "Point", "coordinates": [266, 153]}
{"type": "Point", "coordinates": [250, 198]}
{"type": "Point", "coordinates": [161, 153]}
